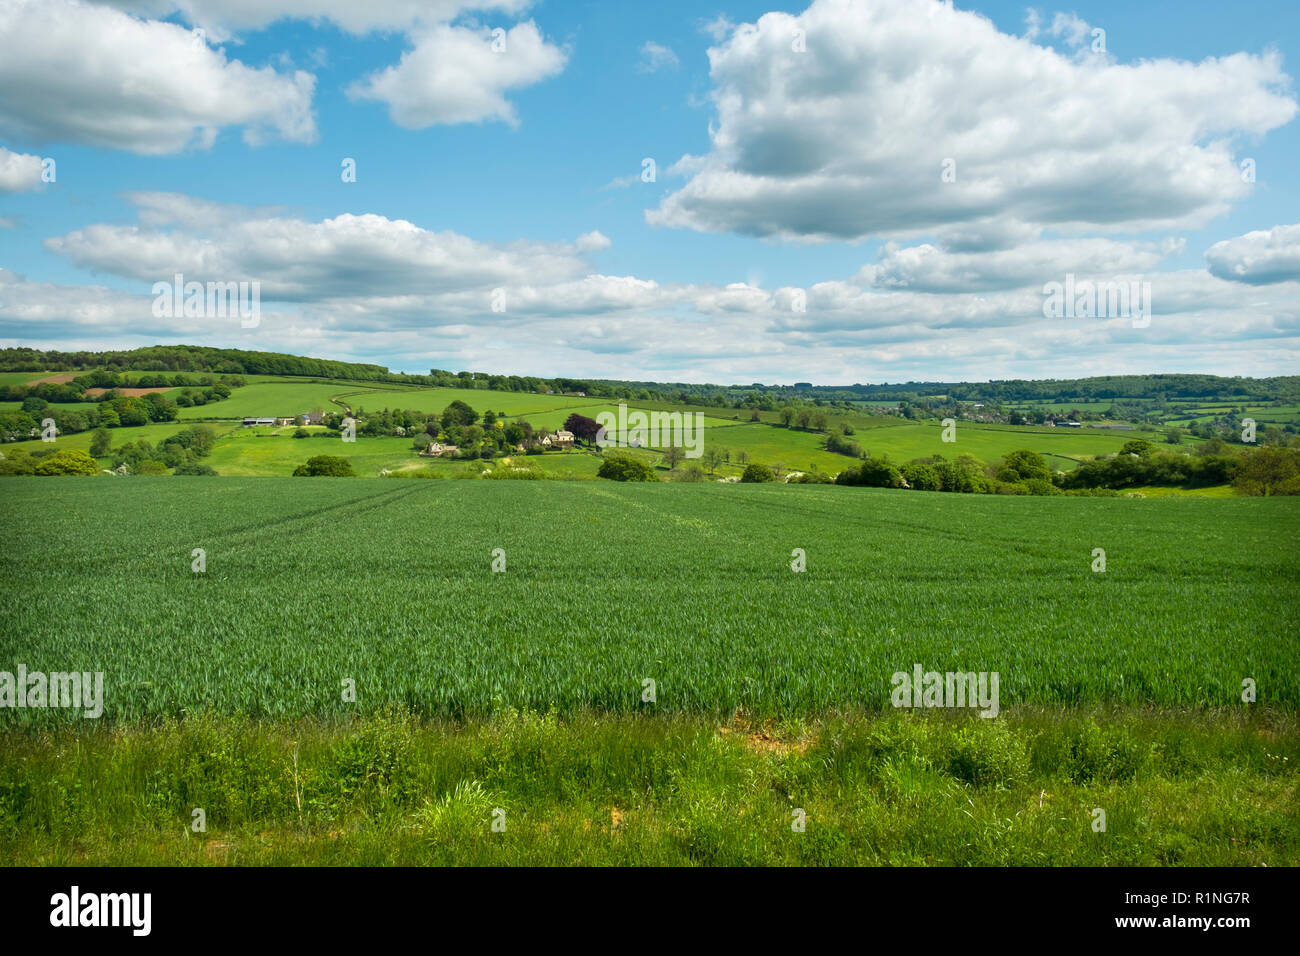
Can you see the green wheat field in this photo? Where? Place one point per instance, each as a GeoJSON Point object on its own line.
{"type": "Point", "coordinates": [523, 690]}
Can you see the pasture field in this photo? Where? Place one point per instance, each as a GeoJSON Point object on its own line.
{"type": "Point", "coordinates": [256, 451]}
{"type": "Point", "coordinates": [514, 404]}
{"type": "Point", "coordinates": [271, 400]}
{"type": "Point", "coordinates": [389, 583]}
{"type": "Point", "coordinates": [22, 378]}
{"type": "Point", "coordinates": [1094, 405]}
{"type": "Point", "coordinates": [62, 406]}
{"type": "Point", "coordinates": [81, 440]}
{"type": "Point", "coordinates": [903, 441]}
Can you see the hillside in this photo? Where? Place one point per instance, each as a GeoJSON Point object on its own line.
{"type": "Point", "coordinates": [146, 395]}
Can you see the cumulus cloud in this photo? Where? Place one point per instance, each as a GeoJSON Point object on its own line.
{"type": "Point", "coordinates": [656, 57]}
{"type": "Point", "coordinates": [19, 172]}
{"type": "Point", "coordinates": [850, 138]}
{"type": "Point", "coordinates": [461, 75]}
{"type": "Point", "coordinates": [368, 287]}
{"type": "Point", "coordinates": [934, 268]}
{"type": "Point", "coordinates": [109, 73]}
{"type": "Point", "coordinates": [79, 73]}
{"type": "Point", "coordinates": [222, 18]}
{"type": "Point", "coordinates": [604, 325]}
{"type": "Point", "coordinates": [295, 260]}
{"type": "Point", "coordinates": [1258, 258]}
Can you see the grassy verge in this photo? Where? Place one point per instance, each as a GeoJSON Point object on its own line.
{"type": "Point", "coordinates": [1177, 787]}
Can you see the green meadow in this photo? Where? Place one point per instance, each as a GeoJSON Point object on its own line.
{"type": "Point", "coordinates": [1183, 789]}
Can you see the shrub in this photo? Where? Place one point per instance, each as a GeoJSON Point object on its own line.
{"type": "Point", "coordinates": [17, 461]}
{"type": "Point", "coordinates": [192, 469]}
{"type": "Point", "coordinates": [1268, 471]}
{"type": "Point", "coordinates": [841, 445]}
{"type": "Point", "coordinates": [328, 466]}
{"type": "Point", "coordinates": [623, 467]}
{"type": "Point", "coordinates": [68, 462]}
{"type": "Point", "coordinates": [303, 433]}
{"type": "Point", "coordinates": [757, 473]}
{"type": "Point", "coordinates": [101, 442]}
{"type": "Point", "coordinates": [921, 477]}
{"type": "Point", "coordinates": [693, 473]}
{"type": "Point", "coordinates": [1001, 487]}
{"type": "Point", "coordinates": [1023, 464]}
{"type": "Point", "coordinates": [1137, 446]}
{"type": "Point", "coordinates": [872, 473]}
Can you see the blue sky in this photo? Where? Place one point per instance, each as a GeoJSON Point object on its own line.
{"type": "Point", "coordinates": [811, 237]}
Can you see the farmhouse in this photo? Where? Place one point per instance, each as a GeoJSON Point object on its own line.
{"type": "Point", "coordinates": [313, 418]}
{"type": "Point", "coordinates": [563, 438]}
{"type": "Point", "coordinates": [436, 449]}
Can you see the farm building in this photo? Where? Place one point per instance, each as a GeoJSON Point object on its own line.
{"type": "Point", "coordinates": [436, 449]}
{"type": "Point", "coordinates": [251, 422]}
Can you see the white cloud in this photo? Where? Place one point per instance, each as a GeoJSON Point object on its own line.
{"type": "Point", "coordinates": [19, 172]}
{"type": "Point", "coordinates": [79, 73]}
{"type": "Point", "coordinates": [656, 57]}
{"type": "Point", "coordinates": [603, 325]}
{"type": "Point", "coordinates": [848, 139]}
{"type": "Point", "coordinates": [295, 260]}
{"type": "Point", "coordinates": [453, 75]}
{"type": "Point", "coordinates": [1075, 31]}
{"type": "Point", "coordinates": [718, 27]}
{"type": "Point", "coordinates": [1258, 258]}
{"type": "Point", "coordinates": [222, 18]}
{"type": "Point", "coordinates": [934, 268]}
{"type": "Point", "coordinates": [369, 288]}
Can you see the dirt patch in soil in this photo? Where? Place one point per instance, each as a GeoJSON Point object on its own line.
{"type": "Point", "coordinates": [760, 739]}
{"type": "Point", "coordinates": [55, 379]}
